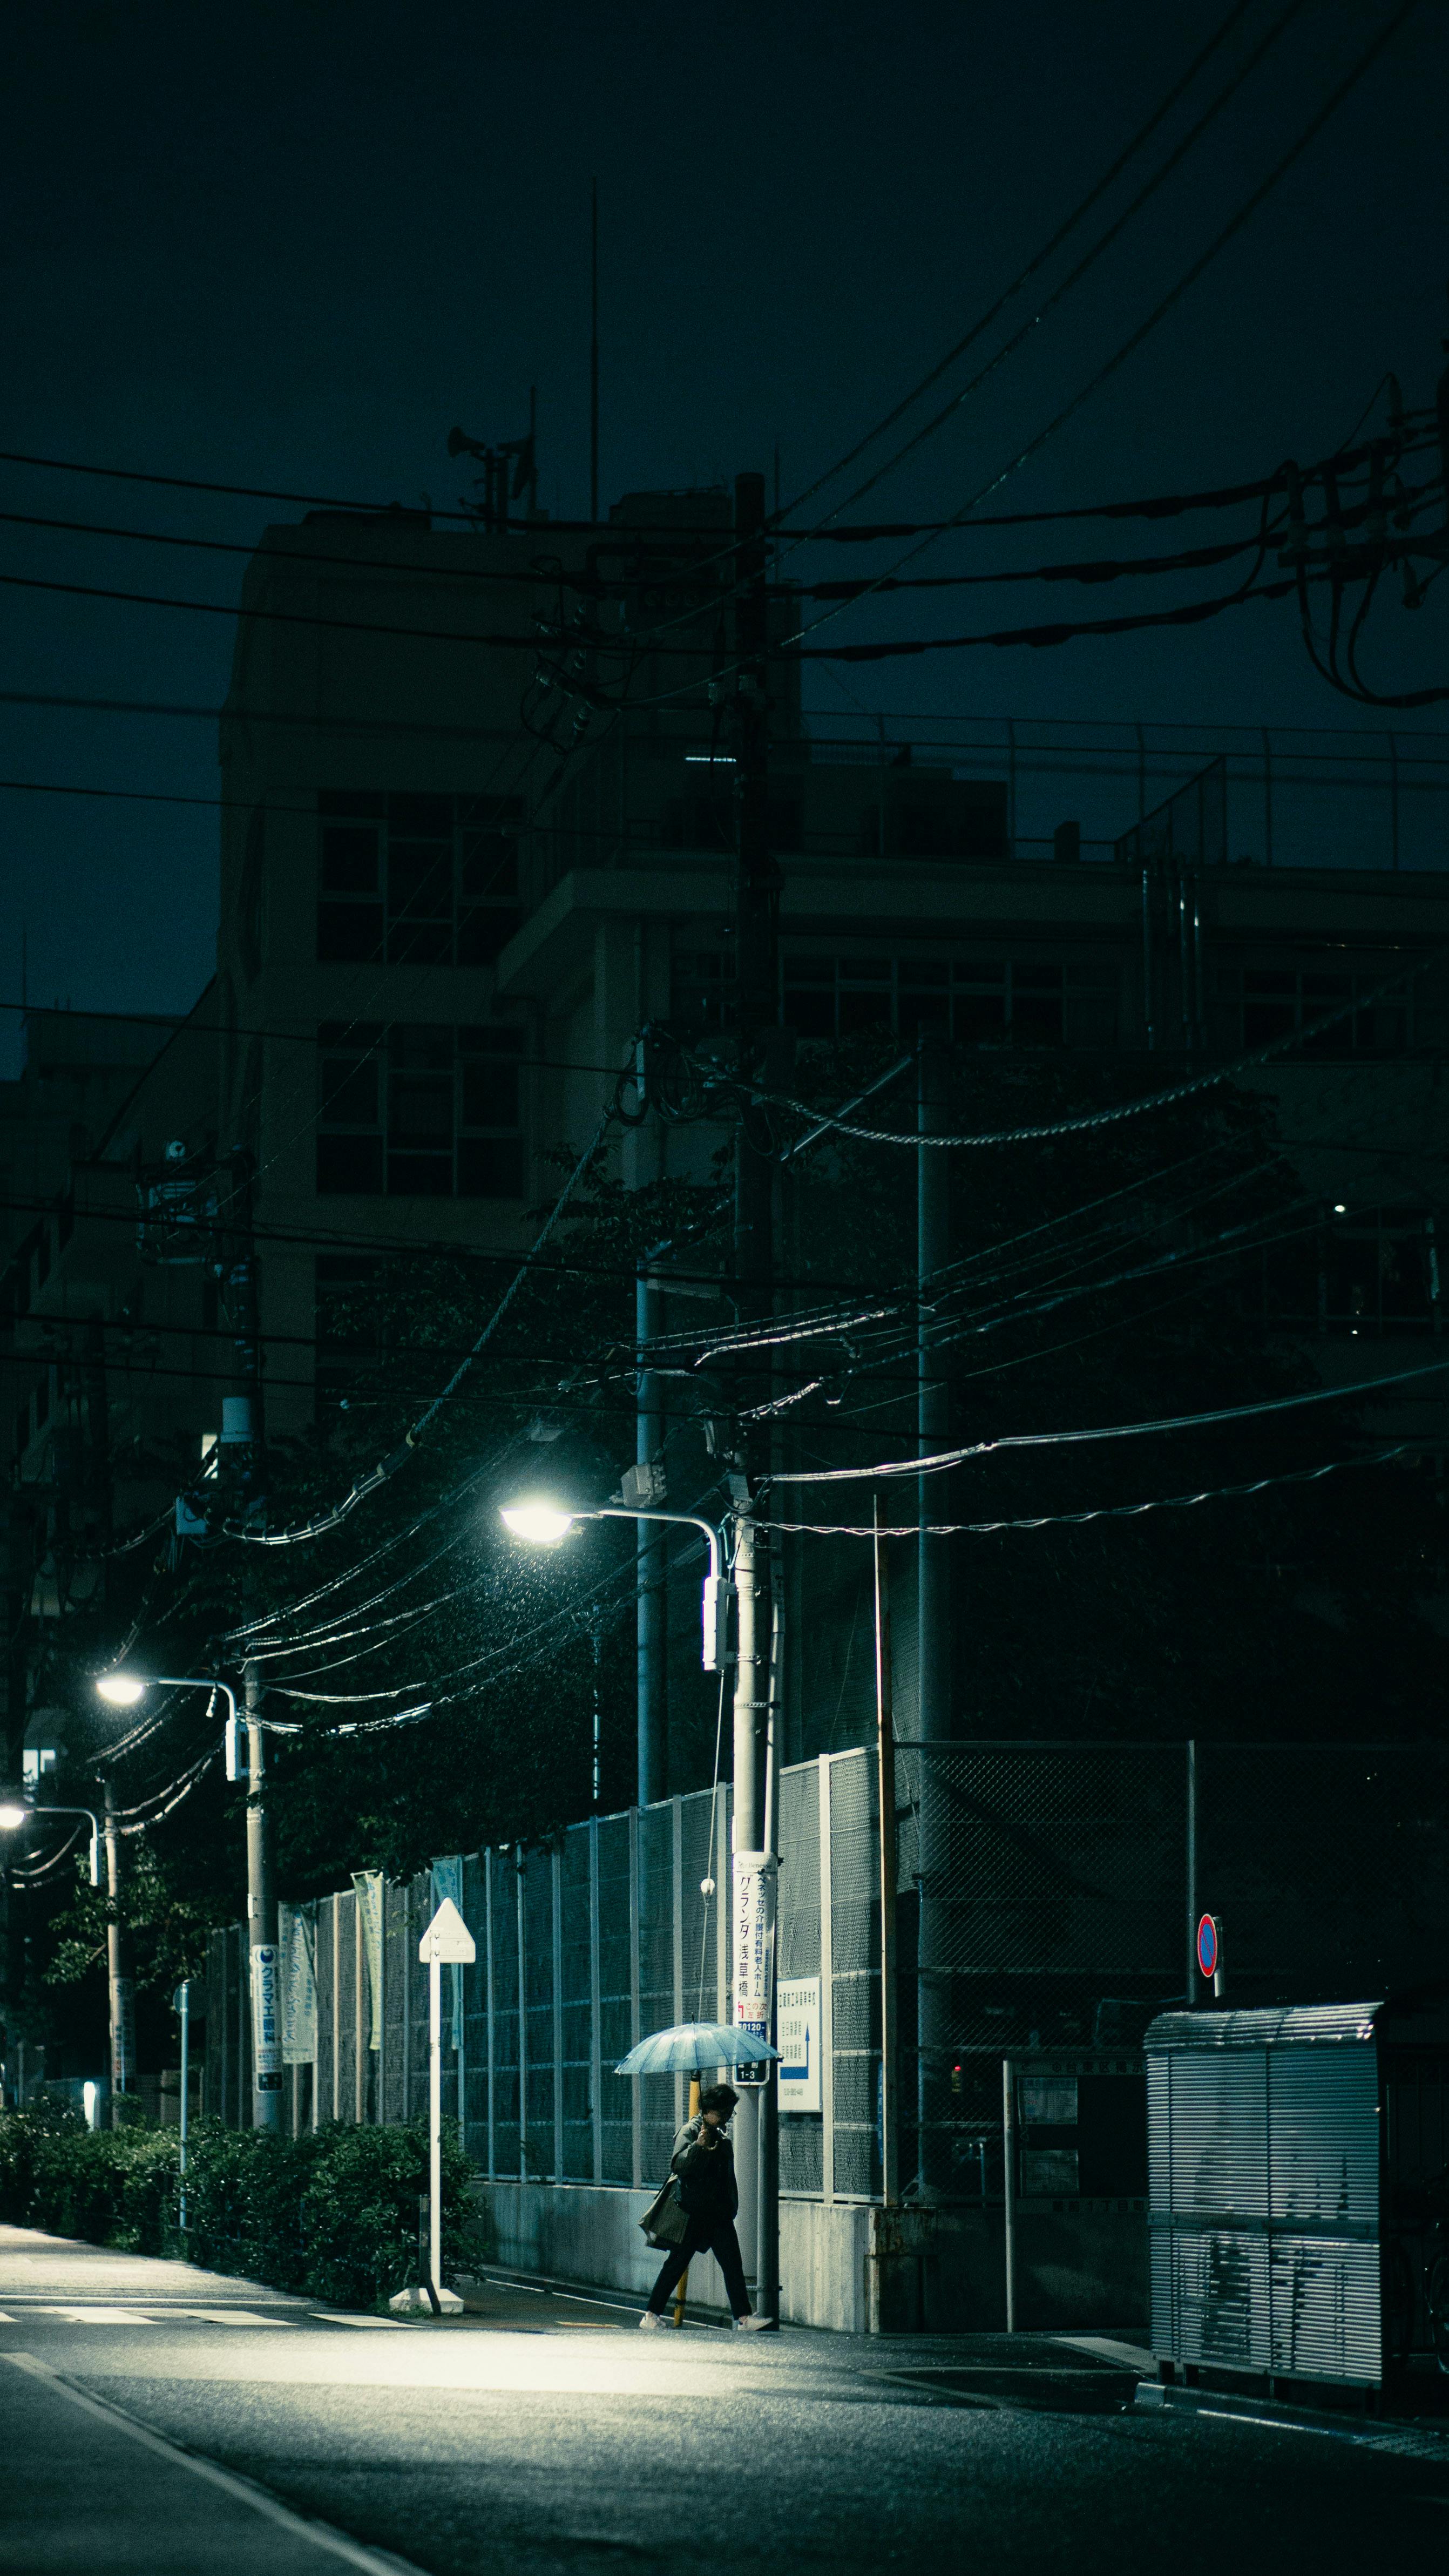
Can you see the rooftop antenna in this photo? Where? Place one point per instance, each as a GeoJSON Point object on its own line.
{"type": "Point", "coordinates": [594, 352]}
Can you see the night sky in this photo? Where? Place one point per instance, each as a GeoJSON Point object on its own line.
{"type": "Point", "coordinates": [291, 244]}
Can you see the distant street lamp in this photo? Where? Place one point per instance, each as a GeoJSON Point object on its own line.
{"type": "Point", "coordinates": [15, 1812]}
{"type": "Point", "coordinates": [123, 1690]}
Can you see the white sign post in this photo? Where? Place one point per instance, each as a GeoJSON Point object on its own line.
{"type": "Point", "coordinates": [446, 1942]}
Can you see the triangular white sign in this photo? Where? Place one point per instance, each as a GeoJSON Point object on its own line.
{"type": "Point", "coordinates": [448, 1938]}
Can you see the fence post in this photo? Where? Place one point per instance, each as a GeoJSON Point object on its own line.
{"type": "Point", "coordinates": [596, 2086]}
{"type": "Point", "coordinates": [637, 2167]}
{"type": "Point", "coordinates": [518, 1869]}
{"type": "Point", "coordinates": [558, 2020]}
{"type": "Point", "coordinates": [827, 1998]}
{"type": "Point", "coordinates": [676, 1857]}
{"type": "Point", "coordinates": [489, 2006]}
{"type": "Point", "coordinates": [1008, 2171]}
{"type": "Point", "coordinates": [1191, 1856]}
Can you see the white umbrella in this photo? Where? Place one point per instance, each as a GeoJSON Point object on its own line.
{"type": "Point", "coordinates": [692, 2046]}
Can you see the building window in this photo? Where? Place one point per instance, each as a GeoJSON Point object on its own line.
{"type": "Point", "coordinates": [416, 880]}
{"type": "Point", "coordinates": [419, 1111]}
{"type": "Point", "coordinates": [1276, 1002]}
{"type": "Point", "coordinates": [975, 1001]}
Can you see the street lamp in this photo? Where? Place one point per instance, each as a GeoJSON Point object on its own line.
{"type": "Point", "coordinates": [543, 1523]}
{"type": "Point", "coordinates": [123, 1690]}
{"type": "Point", "coordinates": [15, 1812]}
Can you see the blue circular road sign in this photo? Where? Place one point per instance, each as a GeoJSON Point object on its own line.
{"type": "Point", "coordinates": [1207, 1944]}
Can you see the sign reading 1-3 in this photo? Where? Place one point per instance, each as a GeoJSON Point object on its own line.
{"type": "Point", "coordinates": [1209, 1945]}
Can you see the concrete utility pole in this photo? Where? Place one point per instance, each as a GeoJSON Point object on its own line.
{"type": "Point", "coordinates": [933, 1624]}
{"type": "Point", "coordinates": [261, 1922]}
{"type": "Point", "coordinates": [757, 882]}
{"type": "Point", "coordinates": [119, 1981]}
{"type": "Point", "coordinates": [651, 1611]}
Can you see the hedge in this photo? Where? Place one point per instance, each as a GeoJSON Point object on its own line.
{"type": "Point", "coordinates": [332, 2213]}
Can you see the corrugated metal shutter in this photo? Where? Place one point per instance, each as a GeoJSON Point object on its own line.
{"type": "Point", "coordinates": [1220, 2280]}
{"type": "Point", "coordinates": [1323, 2106]}
{"type": "Point", "coordinates": [1326, 2316]}
{"type": "Point", "coordinates": [1220, 2134]}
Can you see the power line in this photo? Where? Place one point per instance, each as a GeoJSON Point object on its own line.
{"type": "Point", "coordinates": [1037, 261]}
{"type": "Point", "coordinates": [1102, 244]}
{"type": "Point", "coordinates": [1184, 284]}
{"type": "Point", "coordinates": [947, 1458]}
{"type": "Point", "coordinates": [1100, 1511]}
{"type": "Point", "coordinates": [1113, 1116]}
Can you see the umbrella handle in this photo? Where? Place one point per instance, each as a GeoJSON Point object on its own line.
{"type": "Point", "coordinates": [682, 2292]}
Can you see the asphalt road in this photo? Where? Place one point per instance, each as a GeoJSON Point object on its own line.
{"type": "Point", "coordinates": [155, 2418]}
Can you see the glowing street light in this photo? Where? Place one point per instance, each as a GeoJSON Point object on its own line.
{"type": "Point", "coordinates": [542, 1523]}
{"type": "Point", "coordinates": [123, 1690]}
{"type": "Point", "coordinates": [15, 1812]}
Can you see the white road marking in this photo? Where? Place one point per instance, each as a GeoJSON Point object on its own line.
{"type": "Point", "coordinates": [339, 2317]}
{"type": "Point", "coordinates": [232, 2317]}
{"type": "Point", "coordinates": [332, 2543]}
{"type": "Point", "coordinates": [96, 2316]}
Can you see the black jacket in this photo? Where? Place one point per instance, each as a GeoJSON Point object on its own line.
{"type": "Point", "coordinates": [707, 2186]}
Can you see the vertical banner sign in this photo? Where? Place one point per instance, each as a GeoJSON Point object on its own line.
{"type": "Point", "coordinates": [297, 1942]}
{"type": "Point", "coordinates": [448, 1886]}
{"type": "Point", "coordinates": [798, 2034]}
{"type": "Point", "coordinates": [123, 2034]}
{"type": "Point", "coordinates": [755, 1875]}
{"type": "Point", "coordinates": [368, 1883]}
{"type": "Point", "coordinates": [266, 2018]}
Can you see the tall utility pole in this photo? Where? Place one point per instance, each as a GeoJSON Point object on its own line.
{"type": "Point", "coordinates": [594, 353]}
{"type": "Point", "coordinates": [261, 1922]}
{"type": "Point", "coordinates": [651, 1597]}
{"type": "Point", "coordinates": [119, 1982]}
{"type": "Point", "coordinates": [933, 1618]}
{"type": "Point", "coordinates": [756, 903]}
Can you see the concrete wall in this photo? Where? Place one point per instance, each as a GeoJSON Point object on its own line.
{"type": "Point", "coordinates": [846, 2266]}
{"type": "Point", "coordinates": [579, 2232]}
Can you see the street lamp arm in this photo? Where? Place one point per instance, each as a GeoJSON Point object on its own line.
{"type": "Point", "coordinates": [197, 1681]}
{"type": "Point", "coordinates": [680, 1520]}
{"type": "Point", "coordinates": [92, 1820]}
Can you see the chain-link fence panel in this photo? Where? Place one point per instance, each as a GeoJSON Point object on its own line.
{"type": "Point", "coordinates": [658, 2094]}
{"type": "Point", "coordinates": [540, 2148]}
{"type": "Point", "coordinates": [503, 1979]}
{"type": "Point", "coordinates": [616, 1999]}
{"type": "Point", "coordinates": [473, 2073]}
{"type": "Point", "coordinates": [1043, 1887]}
{"type": "Point", "coordinates": [576, 1970]}
{"type": "Point", "coordinates": [854, 1976]}
{"type": "Point", "coordinates": [797, 1954]}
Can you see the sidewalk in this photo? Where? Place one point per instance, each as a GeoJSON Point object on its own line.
{"type": "Point", "coordinates": [84, 2484]}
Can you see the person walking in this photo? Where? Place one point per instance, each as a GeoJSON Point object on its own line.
{"type": "Point", "coordinates": [704, 2162]}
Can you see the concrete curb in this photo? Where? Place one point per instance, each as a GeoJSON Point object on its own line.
{"type": "Point", "coordinates": [1402, 2435]}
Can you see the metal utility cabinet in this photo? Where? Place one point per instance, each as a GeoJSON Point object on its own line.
{"type": "Point", "coordinates": [1293, 2163]}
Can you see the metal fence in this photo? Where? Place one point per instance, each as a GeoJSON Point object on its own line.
{"type": "Point", "coordinates": [1350, 796]}
{"type": "Point", "coordinates": [1046, 1898]}
{"type": "Point", "coordinates": [581, 1950]}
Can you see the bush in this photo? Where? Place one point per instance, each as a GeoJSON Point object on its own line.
{"type": "Point", "coordinates": [333, 2213]}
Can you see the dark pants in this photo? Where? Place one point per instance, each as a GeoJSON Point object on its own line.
{"type": "Point", "coordinates": [714, 2236]}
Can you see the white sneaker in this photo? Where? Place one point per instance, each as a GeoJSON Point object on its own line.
{"type": "Point", "coordinates": [649, 2323]}
{"type": "Point", "coordinates": [754, 2325]}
